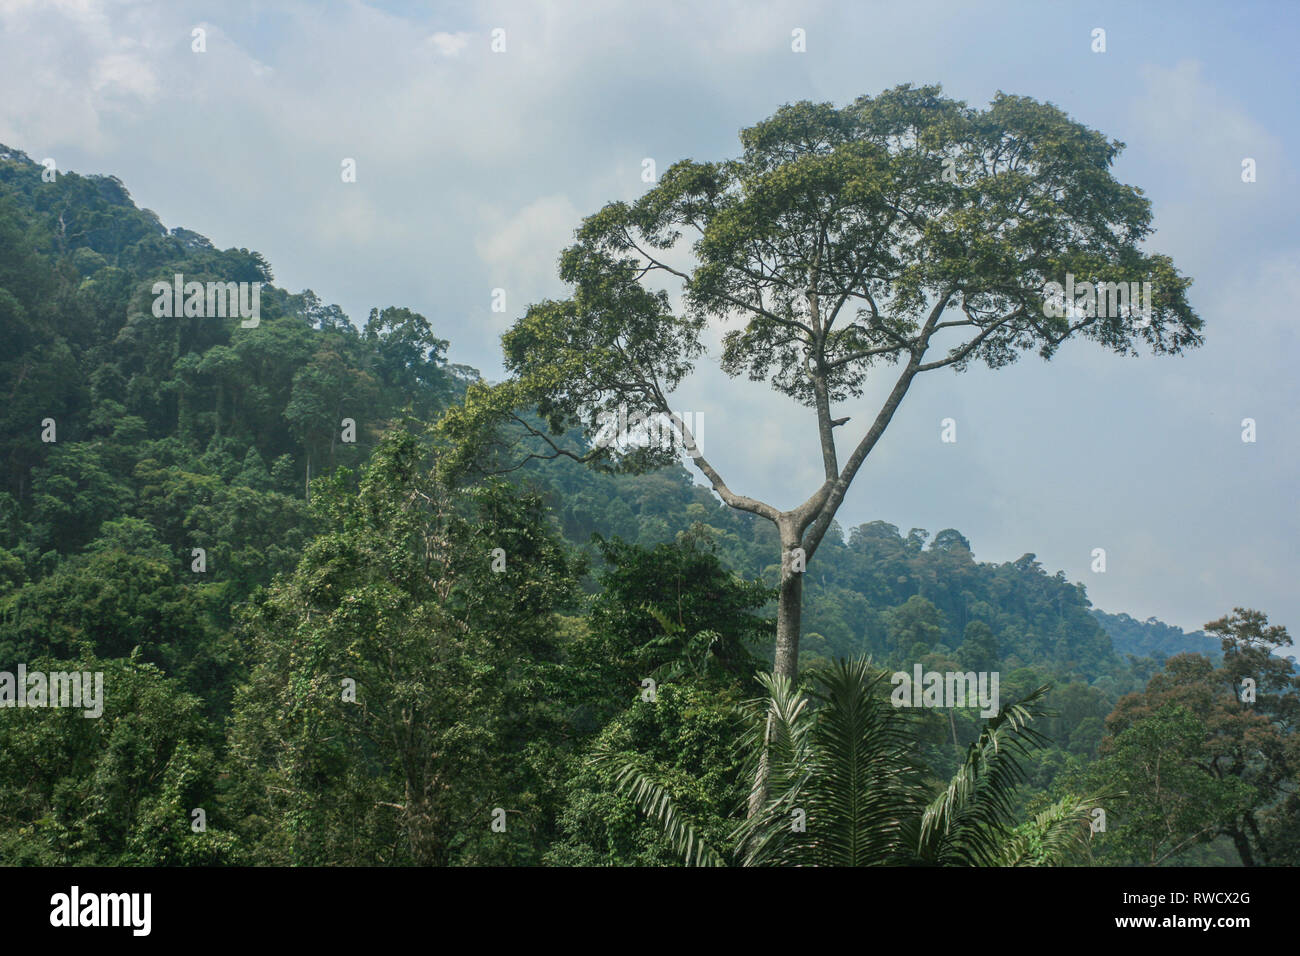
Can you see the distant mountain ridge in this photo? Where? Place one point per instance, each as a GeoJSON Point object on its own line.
{"type": "Point", "coordinates": [1154, 638]}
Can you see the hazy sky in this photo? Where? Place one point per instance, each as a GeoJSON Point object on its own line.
{"type": "Point", "coordinates": [474, 167]}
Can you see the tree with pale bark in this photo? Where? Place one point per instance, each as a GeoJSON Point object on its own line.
{"type": "Point", "coordinates": [904, 230]}
{"type": "Point", "coordinates": [899, 235]}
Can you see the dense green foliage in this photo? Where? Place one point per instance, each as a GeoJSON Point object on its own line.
{"type": "Point", "coordinates": [342, 652]}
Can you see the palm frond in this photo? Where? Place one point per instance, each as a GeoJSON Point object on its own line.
{"type": "Point", "coordinates": [776, 737]}
{"type": "Point", "coordinates": [841, 761]}
{"type": "Point", "coordinates": [1055, 836]}
{"type": "Point", "coordinates": [867, 777]}
{"type": "Point", "coordinates": [847, 765]}
{"type": "Point", "coordinates": [967, 824]}
{"type": "Point", "coordinates": [654, 800]}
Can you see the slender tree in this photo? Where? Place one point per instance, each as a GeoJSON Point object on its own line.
{"type": "Point", "coordinates": [904, 230]}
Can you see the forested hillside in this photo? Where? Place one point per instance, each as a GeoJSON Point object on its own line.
{"type": "Point", "coordinates": [240, 526]}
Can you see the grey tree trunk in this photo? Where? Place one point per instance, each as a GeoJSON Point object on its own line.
{"type": "Point", "coordinates": [789, 613]}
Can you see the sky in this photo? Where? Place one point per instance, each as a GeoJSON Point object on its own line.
{"type": "Point", "coordinates": [473, 168]}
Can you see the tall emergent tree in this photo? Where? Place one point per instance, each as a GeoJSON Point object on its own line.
{"type": "Point", "coordinates": [904, 230]}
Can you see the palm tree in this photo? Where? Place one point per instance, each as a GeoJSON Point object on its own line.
{"type": "Point", "coordinates": [845, 787]}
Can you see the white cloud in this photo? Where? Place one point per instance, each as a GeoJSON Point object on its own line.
{"type": "Point", "coordinates": [449, 44]}
{"type": "Point", "coordinates": [124, 73]}
{"type": "Point", "coordinates": [522, 248]}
